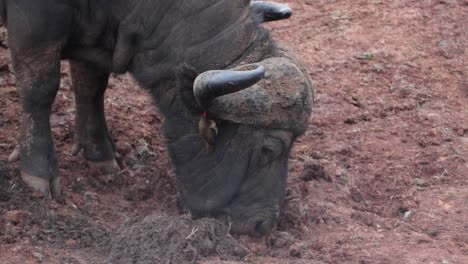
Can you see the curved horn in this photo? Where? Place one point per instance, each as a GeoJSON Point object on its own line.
{"type": "Point", "coordinates": [270, 11]}
{"type": "Point", "coordinates": [212, 84]}
{"type": "Point", "coordinates": [283, 99]}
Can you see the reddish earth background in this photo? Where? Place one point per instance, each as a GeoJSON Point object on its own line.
{"type": "Point", "coordinates": [381, 176]}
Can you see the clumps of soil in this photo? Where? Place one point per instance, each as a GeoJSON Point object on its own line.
{"type": "Point", "coordinates": [23, 216]}
{"type": "Point", "coordinates": [75, 231]}
{"type": "Point", "coordinates": [313, 170]}
{"type": "Point", "coordinates": [170, 239]}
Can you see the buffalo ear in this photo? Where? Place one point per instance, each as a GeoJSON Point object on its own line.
{"type": "Point", "coordinates": [185, 76]}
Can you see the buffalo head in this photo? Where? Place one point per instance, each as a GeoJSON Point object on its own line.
{"type": "Point", "coordinates": [259, 110]}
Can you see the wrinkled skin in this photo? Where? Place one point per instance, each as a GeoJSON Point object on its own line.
{"type": "Point", "coordinates": [171, 48]}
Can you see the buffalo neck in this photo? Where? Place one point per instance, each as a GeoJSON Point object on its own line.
{"type": "Point", "coordinates": [204, 34]}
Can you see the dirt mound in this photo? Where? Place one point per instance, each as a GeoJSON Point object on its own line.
{"type": "Point", "coordinates": [169, 239]}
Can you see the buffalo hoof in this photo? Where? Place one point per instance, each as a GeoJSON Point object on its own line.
{"type": "Point", "coordinates": [105, 167]}
{"type": "Point", "coordinates": [46, 189]}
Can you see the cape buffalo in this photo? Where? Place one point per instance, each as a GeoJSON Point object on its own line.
{"type": "Point", "coordinates": [234, 100]}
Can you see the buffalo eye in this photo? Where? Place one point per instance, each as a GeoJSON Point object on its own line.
{"type": "Point", "coordinates": [272, 149]}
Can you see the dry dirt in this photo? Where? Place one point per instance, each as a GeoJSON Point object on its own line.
{"type": "Point", "coordinates": [381, 176]}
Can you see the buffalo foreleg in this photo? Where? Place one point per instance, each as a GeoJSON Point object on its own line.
{"type": "Point", "coordinates": [37, 33]}
{"type": "Point", "coordinates": [91, 135]}
{"type": "Point", "coordinates": [37, 73]}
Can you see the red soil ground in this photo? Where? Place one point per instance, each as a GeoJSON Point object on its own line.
{"type": "Point", "coordinates": [381, 176]}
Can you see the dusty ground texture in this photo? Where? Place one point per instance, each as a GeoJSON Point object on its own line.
{"type": "Point", "coordinates": [381, 176]}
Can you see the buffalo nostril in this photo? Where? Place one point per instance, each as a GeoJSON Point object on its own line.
{"type": "Point", "coordinates": [264, 227]}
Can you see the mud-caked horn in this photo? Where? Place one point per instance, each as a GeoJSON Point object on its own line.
{"type": "Point", "coordinates": [213, 84]}
{"type": "Point", "coordinates": [270, 11]}
{"type": "Point", "coordinates": [282, 99]}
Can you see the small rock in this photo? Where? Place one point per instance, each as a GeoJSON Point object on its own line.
{"type": "Point", "coordinates": [433, 232]}
{"type": "Point", "coordinates": [445, 48]}
{"type": "Point", "coordinates": [378, 68]}
{"type": "Point", "coordinates": [407, 214]}
{"type": "Point", "coordinates": [443, 43]}
{"type": "Point", "coordinates": [421, 182]}
{"type": "Point", "coordinates": [364, 56]}
{"type": "Point", "coordinates": [445, 262]}
{"type": "Point", "coordinates": [38, 256]}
